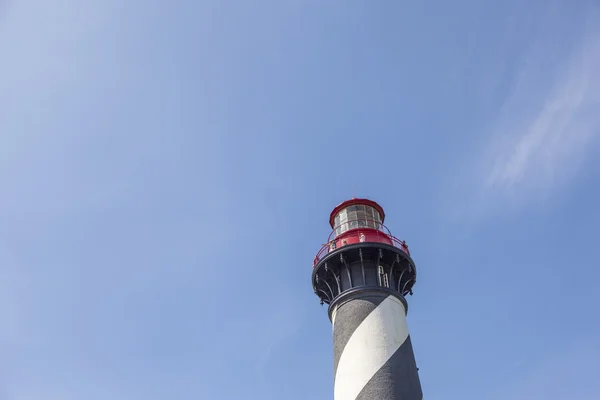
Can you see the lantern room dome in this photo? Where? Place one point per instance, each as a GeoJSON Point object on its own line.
{"type": "Point", "coordinates": [363, 213]}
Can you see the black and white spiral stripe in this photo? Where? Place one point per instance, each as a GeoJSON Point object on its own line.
{"type": "Point", "coordinates": [373, 354]}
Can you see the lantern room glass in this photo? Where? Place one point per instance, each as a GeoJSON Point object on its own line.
{"type": "Point", "coordinates": [357, 216]}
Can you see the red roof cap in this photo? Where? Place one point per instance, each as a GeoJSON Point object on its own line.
{"type": "Point", "coordinates": [352, 202]}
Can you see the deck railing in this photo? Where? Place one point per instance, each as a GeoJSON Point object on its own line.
{"type": "Point", "coordinates": [353, 235]}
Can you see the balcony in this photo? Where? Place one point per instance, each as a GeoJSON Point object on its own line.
{"type": "Point", "coordinates": [353, 235]}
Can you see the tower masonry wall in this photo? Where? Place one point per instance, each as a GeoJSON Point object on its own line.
{"type": "Point", "coordinates": [373, 354]}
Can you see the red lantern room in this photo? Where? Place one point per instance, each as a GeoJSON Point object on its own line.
{"type": "Point", "coordinates": [358, 221]}
{"type": "Point", "coordinates": [360, 252]}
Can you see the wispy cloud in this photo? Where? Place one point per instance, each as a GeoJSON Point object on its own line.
{"type": "Point", "coordinates": [540, 137]}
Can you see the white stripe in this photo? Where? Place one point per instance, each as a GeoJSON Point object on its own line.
{"type": "Point", "coordinates": [333, 313]}
{"type": "Point", "coordinates": [373, 343]}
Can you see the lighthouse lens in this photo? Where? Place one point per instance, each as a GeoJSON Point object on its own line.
{"type": "Point", "coordinates": [357, 216]}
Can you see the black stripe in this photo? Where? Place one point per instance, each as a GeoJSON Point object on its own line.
{"type": "Point", "coordinates": [347, 318]}
{"type": "Point", "coordinates": [397, 379]}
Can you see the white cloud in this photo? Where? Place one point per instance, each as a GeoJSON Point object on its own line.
{"type": "Point", "coordinates": [544, 128]}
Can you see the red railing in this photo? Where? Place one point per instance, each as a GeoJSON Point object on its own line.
{"type": "Point", "coordinates": [357, 235]}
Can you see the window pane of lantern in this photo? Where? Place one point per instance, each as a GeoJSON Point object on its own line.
{"type": "Point", "coordinates": [377, 216]}
{"type": "Point", "coordinates": [343, 224]}
{"type": "Point", "coordinates": [372, 219]}
{"type": "Point", "coordinates": [352, 215]}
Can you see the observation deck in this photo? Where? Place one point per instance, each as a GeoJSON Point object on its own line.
{"type": "Point", "coordinates": [361, 254]}
{"type": "Point", "coordinates": [359, 235]}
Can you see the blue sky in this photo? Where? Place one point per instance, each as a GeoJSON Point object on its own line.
{"type": "Point", "coordinates": [167, 173]}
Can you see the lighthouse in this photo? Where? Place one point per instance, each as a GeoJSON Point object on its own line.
{"type": "Point", "coordinates": [363, 273]}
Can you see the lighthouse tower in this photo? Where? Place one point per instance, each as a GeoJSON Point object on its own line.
{"type": "Point", "coordinates": [364, 273]}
